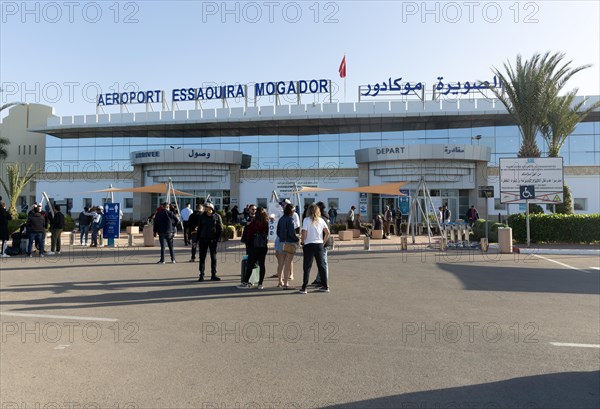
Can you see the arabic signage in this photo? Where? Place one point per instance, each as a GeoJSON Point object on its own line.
{"type": "Point", "coordinates": [453, 88]}
{"type": "Point", "coordinates": [542, 176]}
{"type": "Point", "coordinates": [220, 92]}
{"type": "Point", "coordinates": [112, 221]}
{"type": "Point", "coordinates": [405, 201]}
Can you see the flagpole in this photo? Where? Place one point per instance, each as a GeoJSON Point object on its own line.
{"type": "Point", "coordinates": [344, 89]}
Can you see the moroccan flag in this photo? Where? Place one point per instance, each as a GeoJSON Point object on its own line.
{"type": "Point", "coordinates": [342, 68]}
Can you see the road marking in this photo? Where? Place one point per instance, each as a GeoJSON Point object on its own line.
{"type": "Point", "coordinates": [567, 344]}
{"type": "Point", "coordinates": [62, 346]}
{"type": "Point", "coordinates": [595, 268]}
{"type": "Point", "coordinates": [559, 263]}
{"type": "Point", "coordinates": [57, 317]}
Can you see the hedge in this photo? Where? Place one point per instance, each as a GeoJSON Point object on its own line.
{"type": "Point", "coordinates": [479, 230]}
{"type": "Point", "coordinates": [562, 228]}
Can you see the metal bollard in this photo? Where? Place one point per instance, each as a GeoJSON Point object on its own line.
{"type": "Point", "coordinates": [443, 244]}
{"type": "Point", "coordinates": [484, 245]}
{"type": "Point", "coordinates": [367, 242]}
{"type": "Point", "coordinates": [130, 240]}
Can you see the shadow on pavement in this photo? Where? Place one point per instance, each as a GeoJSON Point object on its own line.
{"type": "Point", "coordinates": [511, 278]}
{"type": "Point", "coordinates": [568, 390]}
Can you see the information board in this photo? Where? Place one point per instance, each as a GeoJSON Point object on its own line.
{"type": "Point", "coordinates": [112, 221]}
{"type": "Point", "coordinates": [545, 174]}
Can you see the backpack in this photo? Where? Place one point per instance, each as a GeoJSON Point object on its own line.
{"type": "Point", "coordinates": [13, 251]}
{"type": "Point", "coordinates": [260, 240]}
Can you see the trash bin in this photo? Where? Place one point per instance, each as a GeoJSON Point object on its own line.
{"type": "Point", "coordinates": [148, 236]}
{"type": "Point", "coordinates": [505, 240]}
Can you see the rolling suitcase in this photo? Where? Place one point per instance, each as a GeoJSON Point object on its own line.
{"type": "Point", "coordinates": [255, 277]}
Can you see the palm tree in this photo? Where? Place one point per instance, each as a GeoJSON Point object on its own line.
{"type": "Point", "coordinates": [16, 184]}
{"type": "Point", "coordinates": [561, 120]}
{"type": "Point", "coordinates": [529, 89]}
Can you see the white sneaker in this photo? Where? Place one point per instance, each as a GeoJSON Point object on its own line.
{"type": "Point", "coordinates": [260, 287]}
{"type": "Point", "coordinates": [50, 253]}
{"type": "Point", "coordinates": [4, 255]}
{"type": "Point", "coordinates": [58, 252]}
{"type": "Point", "coordinates": [243, 286]}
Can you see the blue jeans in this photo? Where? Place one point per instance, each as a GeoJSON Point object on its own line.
{"type": "Point", "coordinates": [83, 235]}
{"type": "Point", "coordinates": [38, 237]}
{"type": "Point", "coordinates": [168, 240]}
{"type": "Point", "coordinates": [316, 251]}
{"type": "Point", "coordinates": [95, 229]}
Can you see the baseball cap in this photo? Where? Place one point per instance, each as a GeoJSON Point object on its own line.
{"type": "Point", "coordinates": [209, 205]}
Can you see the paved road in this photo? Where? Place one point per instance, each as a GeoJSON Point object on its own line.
{"type": "Point", "coordinates": [418, 330]}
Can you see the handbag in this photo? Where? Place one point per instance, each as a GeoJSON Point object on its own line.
{"type": "Point", "coordinates": [290, 248]}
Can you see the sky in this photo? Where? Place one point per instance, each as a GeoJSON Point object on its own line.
{"type": "Point", "coordinates": [64, 53]}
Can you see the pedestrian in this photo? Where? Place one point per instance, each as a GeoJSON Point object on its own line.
{"type": "Point", "coordinates": [258, 237]}
{"type": "Point", "coordinates": [36, 226]}
{"type": "Point", "coordinates": [289, 244]}
{"type": "Point", "coordinates": [4, 218]}
{"type": "Point", "coordinates": [472, 215]}
{"type": "Point", "coordinates": [387, 222]}
{"type": "Point", "coordinates": [193, 222]}
{"type": "Point", "coordinates": [332, 214]}
{"type": "Point", "coordinates": [350, 219]}
{"type": "Point", "coordinates": [447, 214]}
{"type": "Point", "coordinates": [328, 245]}
{"type": "Point", "coordinates": [164, 226]}
{"type": "Point", "coordinates": [186, 212]}
{"type": "Point", "coordinates": [85, 221]}
{"type": "Point", "coordinates": [235, 214]}
{"type": "Point", "coordinates": [248, 219]}
{"type": "Point", "coordinates": [57, 225]}
{"type": "Point", "coordinates": [314, 234]}
{"type": "Point", "coordinates": [97, 225]}
{"type": "Point", "coordinates": [398, 222]}
{"type": "Point", "coordinates": [210, 228]}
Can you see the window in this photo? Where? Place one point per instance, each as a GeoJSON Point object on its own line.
{"type": "Point", "coordinates": [129, 203]}
{"type": "Point", "coordinates": [35, 149]}
{"type": "Point", "coordinates": [19, 149]}
{"type": "Point", "coordinates": [87, 202]}
{"type": "Point", "coordinates": [580, 204]}
{"type": "Point", "coordinates": [498, 205]}
{"type": "Point", "coordinates": [261, 202]}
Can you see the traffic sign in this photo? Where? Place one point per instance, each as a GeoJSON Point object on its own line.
{"type": "Point", "coordinates": [486, 191]}
{"type": "Point", "coordinates": [527, 192]}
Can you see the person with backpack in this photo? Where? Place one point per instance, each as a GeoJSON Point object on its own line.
{"type": "Point", "coordinates": [164, 226]}
{"type": "Point", "coordinates": [210, 228]}
{"type": "Point", "coordinates": [257, 238]}
{"type": "Point", "coordinates": [472, 215]}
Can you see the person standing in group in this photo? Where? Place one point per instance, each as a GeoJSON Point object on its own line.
{"type": "Point", "coordinates": [398, 222]}
{"type": "Point", "coordinates": [193, 223]}
{"type": "Point", "coordinates": [97, 224]}
{"type": "Point", "coordinates": [387, 222]}
{"type": "Point", "coordinates": [327, 245]}
{"type": "Point", "coordinates": [186, 212]}
{"type": "Point", "coordinates": [289, 243]}
{"type": "Point", "coordinates": [57, 224]}
{"type": "Point", "coordinates": [164, 227]}
{"type": "Point", "coordinates": [4, 236]}
{"type": "Point", "coordinates": [314, 234]}
{"type": "Point", "coordinates": [472, 215]}
{"type": "Point", "coordinates": [258, 237]}
{"type": "Point", "coordinates": [332, 213]}
{"type": "Point", "coordinates": [446, 213]}
{"type": "Point", "coordinates": [210, 228]}
{"type": "Point", "coordinates": [350, 219]}
{"type": "Point", "coordinates": [85, 221]}
{"type": "Point", "coordinates": [36, 227]}
{"type": "Point", "coordinates": [248, 219]}
{"type": "Point", "coordinates": [235, 215]}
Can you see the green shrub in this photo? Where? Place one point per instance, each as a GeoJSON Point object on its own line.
{"type": "Point", "coordinates": [479, 230]}
{"type": "Point", "coordinates": [228, 232]}
{"type": "Point", "coordinates": [566, 207]}
{"type": "Point", "coordinates": [535, 209]}
{"type": "Point", "coordinates": [239, 229]}
{"type": "Point", "coordinates": [562, 228]}
{"type": "Point", "coordinates": [338, 227]}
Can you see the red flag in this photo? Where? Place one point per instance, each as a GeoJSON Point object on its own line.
{"type": "Point", "coordinates": [342, 68]}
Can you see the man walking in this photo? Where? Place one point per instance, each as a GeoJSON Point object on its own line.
{"type": "Point", "coordinates": [210, 228]}
{"type": "Point", "coordinates": [36, 227]}
{"type": "Point", "coordinates": [164, 226]}
{"type": "Point", "coordinates": [387, 221]}
{"type": "Point", "coordinates": [57, 224]}
{"type": "Point", "coordinates": [472, 215]}
{"type": "Point", "coordinates": [193, 223]}
{"type": "Point", "coordinates": [185, 217]}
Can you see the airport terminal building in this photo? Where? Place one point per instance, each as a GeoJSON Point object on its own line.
{"type": "Point", "coordinates": [240, 155]}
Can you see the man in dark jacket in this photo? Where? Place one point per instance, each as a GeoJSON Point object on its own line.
{"type": "Point", "coordinates": [210, 228]}
{"type": "Point", "coordinates": [57, 225]}
{"type": "Point", "coordinates": [36, 227]}
{"type": "Point", "coordinates": [193, 224]}
{"type": "Point", "coordinates": [85, 221]}
{"type": "Point", "coordinates": [4, 218]}
{"type": "Point", "coordinates": [164, 226]}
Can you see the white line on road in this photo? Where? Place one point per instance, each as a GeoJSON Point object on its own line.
{"type": "Point", "coordinates": [57, 317]}
{"type": "Point", "coordinates": [568, 344]}
{"type": "Point", "coordinates": [559, 263]}
{"type": "Point", "coordinates": [595, 268]}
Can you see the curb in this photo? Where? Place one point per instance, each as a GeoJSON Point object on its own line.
{"type": "Point", "coordinates": [562, 252]}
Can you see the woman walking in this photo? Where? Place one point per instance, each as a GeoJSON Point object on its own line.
{"type": "Point", "coordinates": [257, 239]}
{"type": "Point", "coordinates": [314, 234]}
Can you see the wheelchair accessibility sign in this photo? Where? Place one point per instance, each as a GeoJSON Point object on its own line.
{"type": "Point", "coordinates": [527, 192]}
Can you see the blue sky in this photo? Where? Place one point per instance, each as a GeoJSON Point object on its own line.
{"type": "Point", "coordinates": [49, 50]}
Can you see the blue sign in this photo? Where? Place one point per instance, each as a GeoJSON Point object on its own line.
{"type": "Point", "coordinates": [112, 221]}
{"type": "Point", "coordinates": [405, 201]}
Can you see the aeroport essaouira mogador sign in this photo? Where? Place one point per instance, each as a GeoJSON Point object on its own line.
{"type": "Point", "coordinates": [313, 86]}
